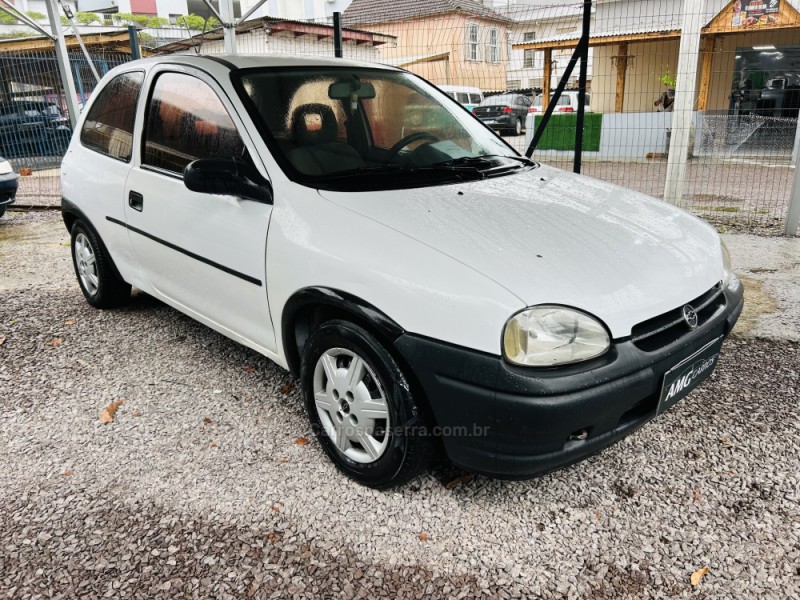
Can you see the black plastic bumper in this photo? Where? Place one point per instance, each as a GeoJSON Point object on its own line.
{"type": "Point", "coordinates": [507, 421]}
{"type": "Point", "coordinates": [8, 188]}
{"type": "Point", "coordinates": [500, 122]}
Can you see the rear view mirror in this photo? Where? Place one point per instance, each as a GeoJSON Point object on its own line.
{"type": "Point", "coordinates": [227, 176]}
{"type": "Point", "coordinates": [344, 90]}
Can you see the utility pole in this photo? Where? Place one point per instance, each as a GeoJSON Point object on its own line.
{"type": "Point", "coordinates": [228, 26]}
{"type": "Point", "coordinates": [683, 106]}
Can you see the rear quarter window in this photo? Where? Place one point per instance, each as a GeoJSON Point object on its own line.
{"type": "Point", "coordinates": [108, 127]}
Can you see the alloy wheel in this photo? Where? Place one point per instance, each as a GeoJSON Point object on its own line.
{"type": "Point", "coordinates": [86, 262]}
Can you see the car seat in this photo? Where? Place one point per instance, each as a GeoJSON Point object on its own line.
{"type": "Point", "coordinates": [318, 149]}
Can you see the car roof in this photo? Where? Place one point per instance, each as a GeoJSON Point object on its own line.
{"type": "Point", "coordinates": [248, 61]}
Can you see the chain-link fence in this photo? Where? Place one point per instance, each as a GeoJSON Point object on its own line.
{"type": "Point", "coordinates": [34, 125]}
{"type": "Point", "coordinates": [503, 59]}
{"type": "Point", "coordinates": [743, 88]}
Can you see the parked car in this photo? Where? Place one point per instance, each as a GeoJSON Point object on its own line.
{"type": "Point", "coordinates": [8, 185]}
{"type": "Point", "coordinates": [505, 113]}
{"type": "Point", "coordinates": [468, 97]}
{"type": "Point", "coordinates": [567, 103]}
{"type": "Point", "coordinates": [424, 290]}
{"type": "Point", "coordinates": [33, 128]}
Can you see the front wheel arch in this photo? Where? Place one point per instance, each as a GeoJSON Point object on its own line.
{"type": "Point", "coordinates": [310, 306]}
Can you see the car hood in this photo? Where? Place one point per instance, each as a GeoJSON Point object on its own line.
{"type": "Point", "coordinates": [552, 237]}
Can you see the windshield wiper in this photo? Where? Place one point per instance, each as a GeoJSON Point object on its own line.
{"type": "Point", "coordinates": [383, 170]}
{"type": "Point", "coordinates": [483, 159]}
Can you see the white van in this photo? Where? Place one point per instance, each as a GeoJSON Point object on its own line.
{"type": "Point", "coordinates": [469, 97]}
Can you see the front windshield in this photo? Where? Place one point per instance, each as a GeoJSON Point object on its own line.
{"type": "Point", "coordinates": [352, 128]}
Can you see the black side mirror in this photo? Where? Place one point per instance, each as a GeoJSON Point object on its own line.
{"type": "Point", "coordinates": [227, 176]}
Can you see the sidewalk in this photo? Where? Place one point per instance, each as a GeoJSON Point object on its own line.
{"type": "Point", "coordinates": [769, 267]}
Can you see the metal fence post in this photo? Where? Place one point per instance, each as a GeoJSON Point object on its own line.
{"type": "Point", "coordinates": [63, 61]}
{"type": "Point", "coordinates": [587, 20]}
{"type": "Point", "coordinates": [683, 106]}
{"type": "Point", "coordinates": [793, 218]}
{"type": "Point", "coordinates": [134, 37]}
{"type": "Point", "coordinates": [337, 34]}
{"type": "Point", "coordinates": [228, 26]}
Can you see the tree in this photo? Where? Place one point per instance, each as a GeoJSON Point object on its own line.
{"type": "Point", "coordinates": [86, 18]}
{"type": "Point", "coordinates": [123, 18]}
{"type": "Point", "coordinates": [146, 40]}
{"type": "Point", "coordinates": [193, 21]}
{"type": "Point", "coordinates": [157, 22]}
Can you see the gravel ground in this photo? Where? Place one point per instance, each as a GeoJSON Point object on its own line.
{"type": "Point", "coordinates": [198, 489]}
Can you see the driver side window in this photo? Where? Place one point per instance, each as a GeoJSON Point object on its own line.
{"type": "Point", "coordinates": [187, 121]}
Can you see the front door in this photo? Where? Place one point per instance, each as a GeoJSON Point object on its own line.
{"type": "Point", "coordinates": [203, 253]}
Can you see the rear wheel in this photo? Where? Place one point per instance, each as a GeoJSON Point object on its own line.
{"type": "Point", "coordinates": [518, 127]}
{"type": "Point", "coordinates": [99, 283]}
{"type": "Point", "coordinates": [361, 406]}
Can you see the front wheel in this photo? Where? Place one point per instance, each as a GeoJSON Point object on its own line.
{"type": "Point", "coordinates": [362, 408]}
{"type": "Point", "coordinates": [100, 285]}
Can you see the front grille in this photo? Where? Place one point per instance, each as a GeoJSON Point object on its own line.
{"type": "Point", "coordinates": [665, 329]}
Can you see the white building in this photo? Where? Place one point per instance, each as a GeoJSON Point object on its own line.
{"type": "Point", "coordinates": [280, 36]}
{"type": "Point", "coordinates": [531, 23]}
{"type": "Point", "coordinates": [166, 9]}
{"type": "Point", "coordinates": [298, 10]}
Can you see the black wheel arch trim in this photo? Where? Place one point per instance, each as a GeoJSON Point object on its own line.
{"type": "Point", "coordinates": [343, 302]}
{"type": "Point", "coordinates": [70, 209]}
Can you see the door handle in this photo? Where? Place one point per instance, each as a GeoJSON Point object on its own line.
{"type": "Point", "coordinates": [136, 201]}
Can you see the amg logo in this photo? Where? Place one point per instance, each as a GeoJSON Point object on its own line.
{"type": "Point", "coordinates": [689, 375]}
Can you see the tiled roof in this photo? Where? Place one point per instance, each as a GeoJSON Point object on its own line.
{"type": "Point", "coordinates": [364, 12]}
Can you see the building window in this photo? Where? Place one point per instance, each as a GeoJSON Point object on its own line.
{"type": "Point", "coordinates": [473, 42]}
{"type": "Point", "coordinates": [529, 59]}
{"type": "Point", "coordinates": [493, 46]}
{"type": "Point", "coordinates": [529, 36]}
{"type": "Point", "coordinates": [513, 84]}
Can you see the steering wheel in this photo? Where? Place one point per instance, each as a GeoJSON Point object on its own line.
{"type": "Point", "coordinates": [413, 137]}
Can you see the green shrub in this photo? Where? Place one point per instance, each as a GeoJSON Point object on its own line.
{"type": "Point", "coordinates": [157, 22]}
{"type": "Point", "coordinates": [86, 18]}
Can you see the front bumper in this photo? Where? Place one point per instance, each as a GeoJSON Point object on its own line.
{"type": "Point", "coordinates": [8, 188]}
{"type": "Point", "coordinates": [514, 422]}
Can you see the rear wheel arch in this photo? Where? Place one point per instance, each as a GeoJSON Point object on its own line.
{"type": "Point", "coordinates": [71, 214]}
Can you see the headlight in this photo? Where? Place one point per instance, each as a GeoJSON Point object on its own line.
{"type": "Point", "coordinates": [546, 336]}
{"type": "Point", "coordinates": [727, 270]}
{"type": "Point", "coordinates": [5, 167]}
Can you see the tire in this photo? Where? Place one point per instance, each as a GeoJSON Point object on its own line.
{"type": "Point", "coordinates": [97, 278]}
{"type": "Point", "coordinates": [518, 127]}
{"type": "Point", "coordinates": [375, 451]}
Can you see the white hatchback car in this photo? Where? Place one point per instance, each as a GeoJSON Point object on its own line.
{"type": "Point", "coordinates": [429, 286]}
